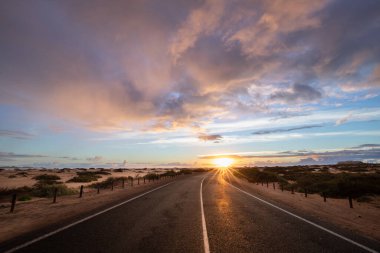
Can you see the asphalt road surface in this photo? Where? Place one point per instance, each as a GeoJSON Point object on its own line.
{"type": "Point", "coordinates": [172, 219]}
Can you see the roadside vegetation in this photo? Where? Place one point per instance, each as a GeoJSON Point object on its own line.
{"type": "Point", "coordinates": [356, 182]}
{"type": "Point", "coordinates": [87, 176]}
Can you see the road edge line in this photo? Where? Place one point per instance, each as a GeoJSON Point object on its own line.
{"type": "Point", "coordinates": [80, 221]}
{"type": "Point", "coordinates": [204, 228]}
{"type": "Point", "coordinates": [307, 221]}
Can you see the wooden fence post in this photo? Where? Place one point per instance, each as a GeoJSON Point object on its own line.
{"type": "Point", "coordinates": [14, 197]}
{"type": "Point", "coordinates": [98, 190]}
{"type": "Point", "coordinates": [305, 193]}
{"type": "Point", "coordinates": [350, 201]}
{"type": "Point", "coordinates": [112, 186]}
{"type": "Point", "coordinates": [144, 180]}
{"type": "Point", "coordinates": [55, 195]}
{"type": "Point", "coordinates": [81, 191]}
{"type": "Point", "coordinates": [123, 183]}
{"type": "Point", "coordinates": [292, 190]}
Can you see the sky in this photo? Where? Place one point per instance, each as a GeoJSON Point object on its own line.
{"type": "Point", "coordinates": [178, 83]}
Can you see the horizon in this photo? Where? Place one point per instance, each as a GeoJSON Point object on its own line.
{"type": "Point", "coordinates": [185, 83]}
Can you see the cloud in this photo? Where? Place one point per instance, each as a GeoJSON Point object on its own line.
{"type": "Point", "coordinates": [200, 21]}
{"type": "Point", "coordinates": [367, 146]}
{"type": "Point", "coordinates": [175, 164]}
{"type": "Point", "coordinates": [139, 65]}
{"type": "Point", "coordinates": [210, 137]}
{"type": "Point", "coordinates": [16, 134]}
{"type": "Point", "coordinates": [298, 93]}
{"type": "Point", "coordinates": [282, 130]}
{"type": "Point", "coordinates": [95, 159]}
{"type": "Point", "coordinates": [362, 152]}
{"type": "Point", "coordinates": [10, 156]}
{"type": "Point", "coordinates": [343, 120]}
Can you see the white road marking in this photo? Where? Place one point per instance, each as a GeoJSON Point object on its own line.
{"type": "Point", "coordinates": [80, 221]}
{"type": "Point", "coordinates": [204, 228]}
{"type": "Point", "coordinates": [307, 221]}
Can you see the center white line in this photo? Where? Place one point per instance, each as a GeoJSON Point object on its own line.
{"type": "Point", "coordinates": [204, 228]}
{"type": "Point", "coordinates": [80, 221]}
{"type": "Point", "coordinates": [307, 221]}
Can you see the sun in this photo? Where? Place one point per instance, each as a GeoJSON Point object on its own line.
{"type": "Point", "coordinates": [223, 162]}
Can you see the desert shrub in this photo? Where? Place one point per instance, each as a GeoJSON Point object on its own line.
{"type": "Point", "coordinates": [255, 175]}
{"type": "Point", "coordinates": [152, 176]}
{"type": "Point", "coordinates": [84, 177]}
{"type": "Point", "coordinates": [170, 173]}
{"type": "Point", "coordinates": [47, 179]}
{"type": "Point", "coordinates": [24, 198]}
{"type": "Point", "coordinates": [47, 190]}
{"type": "Point", "coordinates": [6, 192]}
{"type": "Point", "coordinates": [314, 183]}
{"type": "Point", "coordinates": [108, 182]}
{"type": "Point", "coordinates": [23, 174]}
{"type": "Point", "coordinates": [340, 185]}
{"type": "Point", "coordinates": [12, 176]}
{"type": "Point", "coordinates": [364, 199]}
{"type": "Point", "coordinates": [186, 171]}
{"type": "Point", "coordinates": [118, 170]}
{"type": "Point", "coordinates": [199, 170]}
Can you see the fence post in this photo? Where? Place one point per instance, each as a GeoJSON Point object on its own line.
{"type": "Point", "coordinates": [123, 185]}
{"type": "Point", "coordinates": [98, 190]}
{"type": "Point", "coordinates": [144, 180]}
{"type": "Point", "coordinates": [81, 191]}
{"type": "Point", "coordinates": [14, 197]}
{"type": "Point", "coordinates": [292, 190]}
{"type": "Point", "coordinates": [112, 186]}
{"type": "Point", "coordinates": [350, 201]}
{"type": "Point", "coordinates": [55, 195]}
{"type": "Point", "coordinates": [305, 193]}
{"type": "Point", "coordinates": [324, 196]}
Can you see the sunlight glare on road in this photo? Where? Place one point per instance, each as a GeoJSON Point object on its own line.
{"type": "Point", "coordinates": [223, 162]}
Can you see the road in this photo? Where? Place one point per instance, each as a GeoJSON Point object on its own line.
{"type": "Point", "coordinates": [169, 219]}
